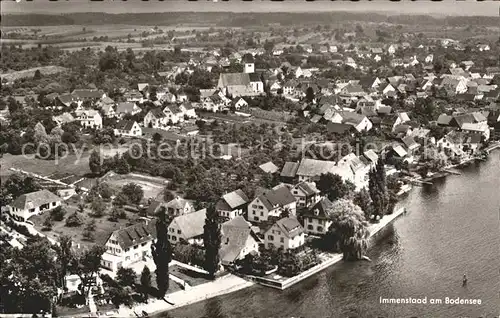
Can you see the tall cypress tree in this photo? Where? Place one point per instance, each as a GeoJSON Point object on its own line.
{"type": "Point", "coordinates": [162, 255]}
{"type": "Point", "coordinates": [212, 238]}
{"type": "Point", "coordinates": [377, 186]}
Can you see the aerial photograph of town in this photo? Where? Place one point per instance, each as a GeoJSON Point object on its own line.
{"type": "Point", "coordinates": [250, 159]}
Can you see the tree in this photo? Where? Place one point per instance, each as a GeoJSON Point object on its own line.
{"type": "Point", "coordinates": [64, 257]}
{"type": "Point", "coordinates": [98, 207]}
{"type": "Point", "coordinates": [162, 255]}
{"type": "Point", "coordinates": [88, 231]}
{"type": "Point", "coordinates": [126, 276]}
{"type": "Point", "coordinates": [145, 280]}
{"type": "Point", "coordinates": [87, 266]}
{"type": "Point", "coordinates": [16, 185]}
{"type": "Point", "coordinates": [212, 241]}
{"type": "Point", "coordinates": [40, 135]}
{"type": "Point", "coordinates": [58, 213]}
{"type": "Point", "coordinates": [73, 220]}
{"type": "Point", "coordinates": [133, 192]}
{"type": "Point", "coordinates": [377, 185]}
{"type": "Point", "coordinates": [47, 224]}
{"type": "Point", "coordinates": [363, 200]}
{"type": "Point", "coordinates": [117, 213]}
{"type": "Point", "coordinates": [309, 94]}
{"type": "Point", "coordinates": [334, 187]}
{"type": "Point", "coordinates": [28, 277]}
{"type": "Point", "coordinates": [285, 213]}
{"type": "Point", "coordinates": [95, 163]}
{"type": "Point", "coordinates": [167, 195]}
{"type": "Point", "coordinates": [38, 75]}
{"type": "Point", "coordinates": [349, 226]}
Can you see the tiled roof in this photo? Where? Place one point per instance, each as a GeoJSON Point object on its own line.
{"type": "Point", "coordinates": [290, 169]}
{"type": "Point", "coordinates": [136, 234]}
{"type": "Point", "coordinates": [191, 224]}
{"type": "Point", "coordinates": [233, 79]}
{"type": "Point", "coordinates": [290, 227]}
{"type": "Point", "coordinates": [320, 209]}
{"type": "Point", "coordinates": [269, 167]}
{"type": "Point", "coordinates": [125, 125]}
{"type": "Point", "coordinates": [125, 107]}
{"type": "Point", "coordinates": [34, 199]}
{"type": "Point", "coordinates": [235, 234]}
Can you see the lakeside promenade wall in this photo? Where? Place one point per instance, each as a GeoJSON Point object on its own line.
{"type": "Point", "coordinates": [335, 258]}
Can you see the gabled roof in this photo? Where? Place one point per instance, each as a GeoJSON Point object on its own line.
{"type": "Point", "coordinates": [157, 113]}
{"type": "Point", "coordinates": [313, 167]}
{"type": "Point", "coordinates": [410, 143]}
{"type": "Point", "coordinates": [279, 196]}
{"type": "Point", "coordinates": [125, 125]}
{"type": "Point", "coordinates": [235, 234]}
{"type": "Point", "coordinates": [338, 128]}
{"type": "Point", "coordinates": [135, 234]}
{"type": "Point", "coordinates": [126, 107]}
{"type": "Point", "coordinates": [289, 169]}
{"type": "Point", "coordinates": [399, 150]}
{"type": "Point", "coordinates": [309, 188]}
{"type": "Point", "coordinates": [371, 155]}
{"type": "Point", "coordinates": [191, 224]}
{"type": "Point", "coordinates": [233, 79]}
{"type": "Point", "coordinates": [320, 209]}
{"type": "Point", "coordinates": [290, 227]}
{"type": "Point", "coordinates": [34, 199]}
{"type": "Point", "coordinates": [232, 200]}
{"type": "Point", "coordinates": [444, 119]}
{"type": "Point", "coordinates": [269, 167]}
{"type": "Point", "coordinates": [177, 203]}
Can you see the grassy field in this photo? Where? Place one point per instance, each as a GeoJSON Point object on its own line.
{"type": "Point", "coordinates": [152, 186]}
{"type": "Point", "coordinates": [70, 165]}
{"type": "Point", "coordinates": [45, 70]}
{"type": "Point", "coordinates": [104, 227]}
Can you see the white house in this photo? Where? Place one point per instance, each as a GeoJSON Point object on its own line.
{"type": "Point", "coordinates": [305, 193]}
{"type": "Point", "coordinates": [232, 204]}
{"type": "Point", "coordinates": [89, 118]}
{"type": "Point", "coordinates": [312, 169]}
{"type": "Point", "coordinates": [155, 118]}
{"type": "Point", "coordinates": [187, 227]}
{"type": "Point", "coordinates": [129, 245]}
{"type": "Point", "coordinates": [187, 110]}
{"type": "Point", "coordinates": [130, 108]}
{"type": "Point", "coordinates": [128, 128]}
{"type": "Point", "coordinates": [238, 240]}
{"type": "Point", "coordinates": [174, 114]}
{"type": "Point", "coordinates": [271, 203]}
{"type": "Point", "coordinates": [33, 203]}
{"type": "Point", "coordinates": [286, 233]}
{"type": "Point", "coordinates": [178, 206]}
{"type": "Point", "coordinates": [359, 169]}
{"type": "Point", "coordinates": [239, 102]}
{"type": "Point", "coordinates": [317, 217]}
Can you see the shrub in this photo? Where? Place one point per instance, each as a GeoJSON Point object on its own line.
{"type": "Point", "coordinates": [73, 220]}
{"type": "Point", "coordinates": [57, 214]}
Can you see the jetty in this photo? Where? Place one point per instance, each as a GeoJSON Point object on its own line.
{"type": "Point", "coordinates": [492, 146]}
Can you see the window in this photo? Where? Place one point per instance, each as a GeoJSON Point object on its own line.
{"type": "Point", "coordinates": [178, 231]}
{"type": "Point", "coordinates": [309, 220]}
{"type": "Point", "coordinates": [270, 237]}
{"type": "Point", "coordinates": [254, 206]}
{"type": "Point", "coordinates": [127, 258]}
{"type": "Point", "coordinates": [320, 229]}
{"type": "Point", "coordinates": [310, 227]}
{"type": "Point", "coordinates": [174, 238]}
{"type": "Point", "coordinates": [256, 218]}
{"type": "Point", "coordinates": [261, 213]}
{"type": "Point", "coordinates": [282, 239]}
{"type": "Point", "coordinates": [168, 236]}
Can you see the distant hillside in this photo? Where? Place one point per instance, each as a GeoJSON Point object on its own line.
{"type": "Point", "coordinates": [234, 19]}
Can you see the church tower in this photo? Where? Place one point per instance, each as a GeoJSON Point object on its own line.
{"type": "Point", "coordinates": [249, 65]}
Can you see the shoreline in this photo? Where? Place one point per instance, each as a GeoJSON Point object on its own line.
{"type": "Point", "coordinates": [231, 283]}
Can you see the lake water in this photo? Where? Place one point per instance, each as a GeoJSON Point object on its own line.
{"type": "Point", "coordinates": [452, 228]}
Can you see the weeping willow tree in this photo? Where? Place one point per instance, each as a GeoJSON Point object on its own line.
{"type": "Point", "coordinates": [349, 227]}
